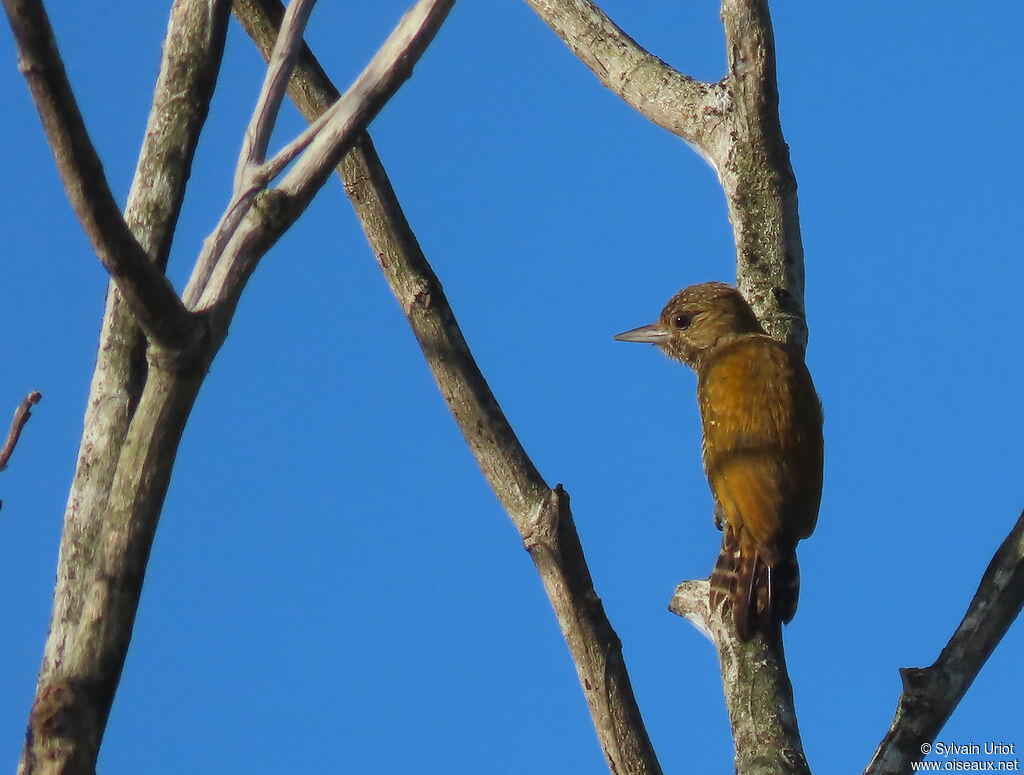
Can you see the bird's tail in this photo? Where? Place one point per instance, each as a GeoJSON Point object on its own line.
{"type": "Point", "coordinates": [762, 584]}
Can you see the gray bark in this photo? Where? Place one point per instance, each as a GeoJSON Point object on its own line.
{"type": "Point", "coordinates": [149, 372]}
{"type": "Point", "coordinates": [121, 476]}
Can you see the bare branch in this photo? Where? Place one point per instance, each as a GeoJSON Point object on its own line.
{"type": "Point", "coordinates": [758, 693]}
{"type": "Point", "coordinates": [252, 175]}
{"type": "Point", "coordinates": [99, 582]}
{"type": "Point", "coordinates": [310, 88]}
{"type": "Point", "coordinates": [388, 69]}
{"type": "Point", "coordinates": [21, 415]}
{"type": "Point", "coordinates": [252, 182]}
{"type": "Point", "coordinates": [931, 694]}
{"type": "Point", "coordinates": [107, 528]}
{"type": "Point", "coordinates": [734, 124]}
{"type": "Point", "coordinates": [752, 160]}
{"type": "Point", "coordinates": [192, 51]}
{"type": "Point", "coordinates": [214, 244]}
{"type": "Point", "coordinates": [268, 105]}
{"type": "Point", "coordinates": [273, 211]}
{"type": "Point", "coordinates": [153, 300]}
{"type": "Point", "coordinates": [691, 109]}
{"type": "Point", "coordinates": [758, 179]}
{"type": "Point", "coordinates": [540, 514]}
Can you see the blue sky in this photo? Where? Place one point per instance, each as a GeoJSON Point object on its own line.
{"type": "Point", "coordinates": [334, 586]}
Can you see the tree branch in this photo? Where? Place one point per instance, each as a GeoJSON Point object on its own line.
{"type": "Point", "coordinates": [931, 694]}
{"type": "Point", "coordinates": [272, 212]}
{"type": "Point", "coordinates": [21, 415]}
{"type": "Point", "coordinates": [103, 552]}
{"type": "Point", "coordinates": [735, 125]}
{"type": "Point", "coordinates": [691, 109]}
{"type": "Point", "coordinates": [153, 299]}
{"type": "Point", "coordinates": [758, 693]}
{"type": "Point", "coordinates": [192, 51]}
{"type": "Point", "coordinates": [275, 85]}
{"type": "Point", "coordinates": [754, 170]}
{"type": "Point", "coordinates": [758, 179]}
{"type": "Point", "coordinates": [388, 69]}
{"type": "Point", "coordinates": [540, 514]}
{"type": "Point", "coordinates": [99, 582]}
{"type": "Point", "coordinates": [252, 174]}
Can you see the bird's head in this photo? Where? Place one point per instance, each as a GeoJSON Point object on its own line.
{"type": "Point", "coordinates": [696, 320]}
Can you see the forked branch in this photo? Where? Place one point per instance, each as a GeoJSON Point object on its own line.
{"type": "Point", "coordinates": [272, 94]}
{"type": "Point", "coordinates": [219, 277]}
{"type": "Point", "coordinates": [691, 109]}
{"type": "Point", "coordinates": [733, 123]}
{"type": "Point", "coordinates": [133, 419]}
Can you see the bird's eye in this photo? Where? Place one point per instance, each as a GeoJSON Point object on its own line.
{"type": "Point", "coordinates": [682, 321]}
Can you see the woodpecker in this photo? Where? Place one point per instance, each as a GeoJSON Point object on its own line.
{"type": "Point", "coordinates": [763, 448]}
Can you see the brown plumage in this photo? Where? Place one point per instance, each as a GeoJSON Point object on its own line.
{"type": "Point", "coordinates": [762, 448]}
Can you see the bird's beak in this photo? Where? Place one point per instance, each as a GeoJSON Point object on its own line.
{"type": "Point", "coordinates": [652, 334]}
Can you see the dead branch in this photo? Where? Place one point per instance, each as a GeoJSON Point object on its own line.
{"type": "Point", "coordinates": [758, 693]}
{"type": "Point", "coordinates": [691, 109]}
{"type": "Point", "coordinates": [275, 84]}
{"type": "Point", "coordinates": [931, 694]}
{"type": "Point", "coordinates": [21, 415]}
{"type": "Point", "coordinates": [218, 279]}
{"type": "Point", "coordinates": [88, 639]}
{"type": "Point", "coordinates": [541, 514]}
{"type": "Point", "coordinates": [734, 124]}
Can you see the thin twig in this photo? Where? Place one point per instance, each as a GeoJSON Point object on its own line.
{"type": "Point", "coordinates": [21, 416]}
{"type": "Point", "coordinates": [214, 244]}
{"type": "Point", "coordinates": [252, 175]}
{"type": "Point", "coordinates": [390, 67]}
{"type": "Point", "coordinates": [275, 85]}
{"type": "Point", "coordinates": [931, 694]}
{"type": "Point", "coordinates": [266, 172]}
{"type": "Point", "coordinates": [260, 227]}
{"type": "Point", "coordinates": [255, 180]}
{"type": "Point", "coordinates": [152, 297]}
